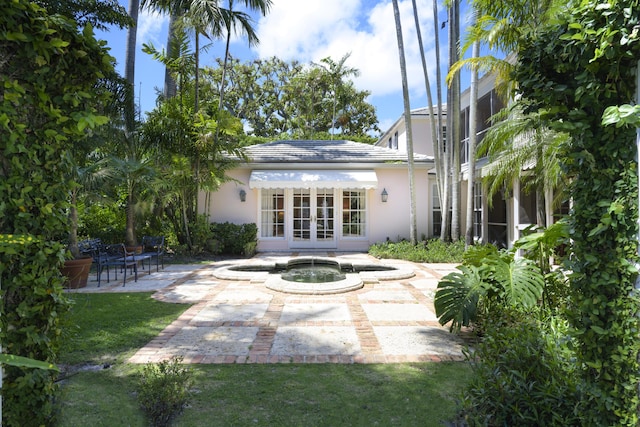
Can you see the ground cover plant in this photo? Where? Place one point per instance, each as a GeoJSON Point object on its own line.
{"type": "Point", "coordinates": [432, 250]}
{"type": "Point", "coordinates": [110, 327]}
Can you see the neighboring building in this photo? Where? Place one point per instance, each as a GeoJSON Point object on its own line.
{"type": "Point", "coordinates": [511, 211]}
{"type": "Point", "coordinates": [396, 137]}
{"type": "Point", "coordinates": [330, 195]}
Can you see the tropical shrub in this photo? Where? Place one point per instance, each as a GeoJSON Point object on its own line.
{"type": "Point", "coordinates": [103, 221]}
{"type": "Point", "coordinates": [544, 246]}
{"type": "Point", "coordinates": [524, 374]}
{"type": "Point", "coordinates": [164, 390]}
{"type": "Point", "coordinates": [233, 239]}
{"type": "Point", "coordinates": [33, 305]}
{"type": "Point", "coordinates": [489, 278]}
{"type": "Point", "coordinates": [432, 250]}
{"type": "Point", "coordinates": [572, 73]}
{"type": "Point", "coordinates": [50, 76]}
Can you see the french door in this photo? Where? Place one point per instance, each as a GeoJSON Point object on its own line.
{"type": "Point", "coordinates": [313, 219]}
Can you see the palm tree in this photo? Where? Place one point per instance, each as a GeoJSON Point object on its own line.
{"type": "Point", "coordinates": [473, 137]}
{"type": "Point", "coordinates": [407, 120]}
{"type": "Point", "coordinates": [501, 26]}
{"type": "Point", "coordinates": [202, 12]}
{"type": "Point", "coordinates": [337, 72]}
{"type": "Point", "coordinates": [230, 21]}
{"type": "Point", "coordinates": [130, 63]}
{"type": "Point", "coordinates": [453, 118]}
{"type": "Point", "coordinates": [442, 169]}
{"type": "Point", "coordinates": [519, 141]}
{"type": "Point", "coordinates": [436, 136]}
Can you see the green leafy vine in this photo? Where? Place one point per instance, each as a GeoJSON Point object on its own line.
{"type": "Point", "coordinates": [580, 75]}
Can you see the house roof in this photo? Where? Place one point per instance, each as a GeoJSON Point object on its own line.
{"type": "Point", "coordinates": [321, 151]}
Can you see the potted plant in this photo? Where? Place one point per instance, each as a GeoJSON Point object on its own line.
{"type": "Point", "coordinates": [77, 267]}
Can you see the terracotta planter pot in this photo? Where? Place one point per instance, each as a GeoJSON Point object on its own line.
{"type": "Point", "coordinates": [77, 272]}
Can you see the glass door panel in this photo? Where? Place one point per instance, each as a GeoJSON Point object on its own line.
{"type": "Point", "coordinates": [325, 217]}
{"type": "Point", "coordinates": [301, 215]}
{"type": "Point", "coordinates": [313, 219]}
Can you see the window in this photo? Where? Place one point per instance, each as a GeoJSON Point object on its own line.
{"type": "Point", "coordinates": [395, 141]}
{"type": "Point", "coordinates": [436, 213]}
{"type": "Point", "coordinates": [527, 208]}
{"type": "Point", "coordinates": [464, 151]}
{"type": "Point", "coordinates": [477, 209]}
{"type": "Point", "coordinates": [272, 213]}
{"type": "Point", "coordinates": [353, 213]}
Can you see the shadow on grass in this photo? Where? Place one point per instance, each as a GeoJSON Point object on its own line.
{"type": "Point", "coordinates": [283, 395]}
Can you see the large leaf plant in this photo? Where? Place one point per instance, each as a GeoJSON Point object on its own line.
{"type": "Point", "coordinates": [490, 279]}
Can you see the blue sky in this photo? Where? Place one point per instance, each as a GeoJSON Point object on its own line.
{"type": "Point", "coordinates": [308, 31]}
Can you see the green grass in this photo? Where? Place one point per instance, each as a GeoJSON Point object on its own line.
{"type": "Point", "coordinates": [111, 327]}
{"type": "Point", "coordinates": [279, 395]}
{"type": "Point", "coordinates": [115, 325]}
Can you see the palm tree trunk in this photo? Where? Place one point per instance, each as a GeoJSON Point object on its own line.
{"type": "Point", "coordinates": [454, 114]}
{"type": "Point", "coordinates": [224, 70]}
{"type": "Point", "coordinates": [130, 64]}
{"type": "Point", "coordinates": [130, 235]}
{"type": "Point", "coordinates": [407, 120]}
{"type": "Point", "coordinates": [442, 168]}
{"type": "Point", "coordinates": [170, 89]}
{"type": "Point", "coordinates": [436, 136]}
{"type": "Point", "coordinates": [473, 136]}
{"type": "Point", "coordinates": [197, 72]}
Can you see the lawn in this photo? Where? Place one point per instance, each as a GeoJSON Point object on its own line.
{"type": "Point", "coordinates": [115, 325]}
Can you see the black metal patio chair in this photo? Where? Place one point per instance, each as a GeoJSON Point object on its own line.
{"type": "Point", "coordinates": [153, 247]}
{"type": "Point", "coordinates": [116, 255]}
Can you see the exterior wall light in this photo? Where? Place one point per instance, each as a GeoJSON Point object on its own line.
{"type": "Point", "coordinates": [384, 195]}
{"type": "Point", "coordinates": [243, 195]}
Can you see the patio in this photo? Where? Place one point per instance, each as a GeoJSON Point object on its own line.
{"type": "Point", "coordinates": [242, 321]}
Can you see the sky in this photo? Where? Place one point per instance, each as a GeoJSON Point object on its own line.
{"type": "Point", "coordinates": [309, 31]}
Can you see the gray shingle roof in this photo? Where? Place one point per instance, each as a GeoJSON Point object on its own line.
{"type": "Point", "coordinates": [320, 151]}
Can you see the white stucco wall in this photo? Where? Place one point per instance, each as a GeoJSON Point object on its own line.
{"type": "Point", "coordinates": [391, 220]}
{"type": "Point", "coordinates": [385, 220]}
{"type": "Point", "coordinates": [225, 204]}
{"type": "Point", "coordinates": [421, 134]}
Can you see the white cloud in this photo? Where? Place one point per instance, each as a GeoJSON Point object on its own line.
{"type": "Point", "coordinates": [314, 29]}
{"type": "Point", "coordinates": [152, 28]}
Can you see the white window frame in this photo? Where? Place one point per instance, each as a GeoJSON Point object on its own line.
{"type": "Point", "coordinates": [362, 222]}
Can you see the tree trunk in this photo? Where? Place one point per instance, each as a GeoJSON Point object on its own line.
{"type": "Point", "coordinates": [473, 136]}
{"type": "Point", "coordinates": [130, 65]}
{"type": "Point", "coordinates": [436, 135]}
{"type": "Point", "coordinates": [130, 234]}
{"type": "Point", "coordinates": [407, 121]}
{"type": "Point", "coordinates": [170, 89]}
{"type": "Point", "coordinates": [454, 113]}
{"type": "Point", "coordinates": [442, 168]}
{"type": "Point", "coordinates": [73, 225]}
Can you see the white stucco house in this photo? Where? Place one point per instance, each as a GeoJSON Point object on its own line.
{"type": "Point", "coordinates": [306, 195]}
{"type": "Point", "coordinates": [330, 195]}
